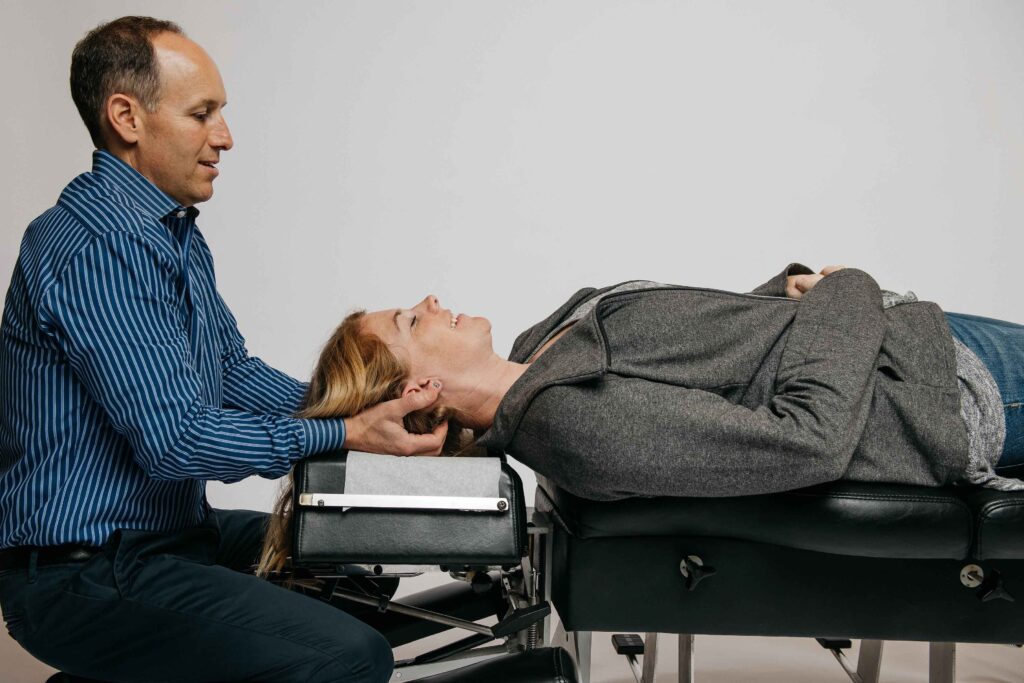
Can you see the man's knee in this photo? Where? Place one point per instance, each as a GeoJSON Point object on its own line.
{"type": "Point", "coordinates": [363, 656]}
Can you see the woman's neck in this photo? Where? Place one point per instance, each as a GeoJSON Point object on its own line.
{"type": "Point", "coordinates": [477, 394]}
{"type": "Point", "coordinates": [476, 398]}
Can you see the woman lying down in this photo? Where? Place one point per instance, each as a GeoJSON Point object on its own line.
{"type": "Point", "coordinates": [645, 389]}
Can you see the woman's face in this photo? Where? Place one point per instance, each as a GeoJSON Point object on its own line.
{"type": "Point", "coordinates": [433, 341]}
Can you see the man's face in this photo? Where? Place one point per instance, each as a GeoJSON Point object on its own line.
{"type": "Point", "coordinates": [181, 141]}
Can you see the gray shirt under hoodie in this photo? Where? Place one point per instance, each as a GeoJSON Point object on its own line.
{"type": "Point", "coordinates": [980, 401]}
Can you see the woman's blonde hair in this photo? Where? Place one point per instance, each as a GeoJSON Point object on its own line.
{"type": "Point", "coordinates": [356, 370]}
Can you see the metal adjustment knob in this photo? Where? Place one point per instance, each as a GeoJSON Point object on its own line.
{"type": "Point", "coordinates": [694, 571]}
{"type": "Point", "coordinates": [993, 589]}
{"type": "Point", "coordinates": [972, 576]}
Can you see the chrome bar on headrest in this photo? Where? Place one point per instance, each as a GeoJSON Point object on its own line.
{"type": "Point", "coordinates": [353, 500]}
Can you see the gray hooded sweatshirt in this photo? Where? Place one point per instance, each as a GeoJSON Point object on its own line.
{"type": "Point", "coordinates": [683, 391]}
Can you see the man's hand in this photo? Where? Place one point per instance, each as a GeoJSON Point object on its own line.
{"type": "Point", "coordinates": [798, 285]}
{"type": "Point", "coordinates": [379, 429]}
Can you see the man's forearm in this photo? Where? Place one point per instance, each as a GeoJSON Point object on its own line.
{"type": "Point", "coordinates": [252, 385]}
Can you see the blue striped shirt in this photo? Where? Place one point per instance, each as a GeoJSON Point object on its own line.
{"type": "Point", "coordinates": [125, 384]}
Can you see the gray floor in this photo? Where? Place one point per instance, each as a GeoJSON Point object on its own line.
{"type": "Point", "coordinates": [719, 659]}
{"type": "Point", "coordinates": [729, 659]}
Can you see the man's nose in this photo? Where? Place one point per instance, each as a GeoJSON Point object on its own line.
{"type": "Point", "coordinates": [220, 137]}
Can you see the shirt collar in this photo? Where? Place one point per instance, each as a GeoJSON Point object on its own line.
{"type": "Point", "coordinates": [148, 196]}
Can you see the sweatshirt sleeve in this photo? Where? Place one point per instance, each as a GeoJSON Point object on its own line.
{"type": "Point", "coordinates": [115, 313]}
{"type": "Point", "coordinates": [631, 436]}
{"type": "Point", "coordinates": [777, 285]}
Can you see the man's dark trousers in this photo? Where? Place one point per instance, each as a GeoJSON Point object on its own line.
{"type": "Point", "coordinates": [177, 607]}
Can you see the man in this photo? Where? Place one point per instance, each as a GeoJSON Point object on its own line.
{"type": "Point", "coordinates": [126, 386]}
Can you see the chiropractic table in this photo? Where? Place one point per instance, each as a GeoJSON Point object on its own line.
{"type": "Point", "coordinates": [836, 562]}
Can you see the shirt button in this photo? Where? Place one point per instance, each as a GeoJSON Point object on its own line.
{"type": "Point", "coordinates": [180, 214]}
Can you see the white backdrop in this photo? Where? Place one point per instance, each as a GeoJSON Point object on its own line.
{"type": "Point", "coordinates": [503, 154]}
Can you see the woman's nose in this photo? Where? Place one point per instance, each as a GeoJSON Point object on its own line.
{"type": "Point", "coordinates": [432, 304]}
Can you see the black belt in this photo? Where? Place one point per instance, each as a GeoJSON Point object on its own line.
{"type": "Point", "coordinates": [17, 558]}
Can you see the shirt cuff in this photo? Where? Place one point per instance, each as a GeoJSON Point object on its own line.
{"type": "Point", "coordinates": [323, 435]}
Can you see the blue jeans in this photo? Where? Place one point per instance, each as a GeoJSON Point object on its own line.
{"type": "Point", "coordinates": [1000, 346]}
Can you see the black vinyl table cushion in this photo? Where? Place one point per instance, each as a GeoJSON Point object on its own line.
{"type": "Point", "coordinates": [845, 518]}
{"type": "Point", "coordinates": [331, 536]}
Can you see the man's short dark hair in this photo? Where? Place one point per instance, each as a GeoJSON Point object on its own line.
{"type": "Point", "coordinates": [116, 57]}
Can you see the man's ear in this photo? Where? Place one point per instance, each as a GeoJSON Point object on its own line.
{"type": "Point", "coordinates": [124, 116]}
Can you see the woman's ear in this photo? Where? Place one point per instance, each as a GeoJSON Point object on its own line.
{"type": "Point", "coordinates": [415, 386]}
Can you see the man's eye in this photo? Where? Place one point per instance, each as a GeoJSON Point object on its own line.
{"type": "Point", "coordinates": [413, 323]}
{"type": "Point", "coordinates": [200, 116]}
